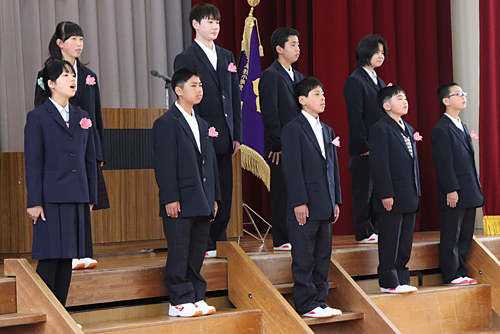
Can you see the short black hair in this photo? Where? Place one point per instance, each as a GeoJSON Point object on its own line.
{"type": "Point", "coordinates": [182, 76]}
{"type": "Point", "coordinates": [367, 48]}
{"type": "Point", "coordinates": [444, 91]}
{"type": "Point", "coordinates": [387, 93]}
{"type": "Point", "coordinates": [52, 70]}
{"type": "Point", "coordinates": [280, 37]}
{"type": "Point", "coordinates": [203, 11]}
{"type": "Point", "coordinates": [304, 87]}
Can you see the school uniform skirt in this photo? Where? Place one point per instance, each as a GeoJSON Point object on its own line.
{"type": "Point", "coordinates": [66, 233]}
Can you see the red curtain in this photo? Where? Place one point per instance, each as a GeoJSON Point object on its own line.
{"type": "Point", "coordinates": [489, 119]}
{"type": "Point", "coordinates": [418, 35]}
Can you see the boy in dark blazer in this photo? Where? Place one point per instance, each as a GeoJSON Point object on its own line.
{"type": "Point", "coordinates": [278, 107]}
{"type": "Point", "coordinates": [312, 179]}
{"type": "Point", "coordinates": [458, 187]}
{"type": "Point", "coordinates": [360, 94]}
{"type": "Point", "coordinates": [186, 172]}
{"type": "Point", "coordinates": [396, 179]}
{"type": "Point", "coordinates": [220, 107]}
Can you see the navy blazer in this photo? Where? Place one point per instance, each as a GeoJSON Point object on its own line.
{"type": "Point", "coordinates": [360, 94]}
{"type": "Point", "coordinates": [395, 173]}
{"type": "Point", "coordinates": [182, 172]}
{"type": "Point", "coordinates": [88, 98]}
{"type": "Point", "coordinates": [453, 155]}
{"type": "Point", "coordinates": [310, 178]}
{"type": "Point", "coordinates": [60, 161]}
{"type": "Point", "coordinates": [221, 103]}
{"type": "Point", "coordinates": [277, 104]}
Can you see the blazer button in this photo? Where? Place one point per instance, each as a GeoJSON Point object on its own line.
{"type": "Point", "coordinates": [70, 138]}
{"type": "Point", "coordinates": [202, 162]}
{"type": "Point", "coordinates": [329, 184]}
{"type": "Point", "coordinates": [225, 115]}
{"type": "Point", "coordinates": [73, 171]}
{"type": "Point", "coordinates": [223, 97]}
{"type": "Point", "coordinates": [72, 154]}
{"type": "Point", "coordinates": [204, 179]}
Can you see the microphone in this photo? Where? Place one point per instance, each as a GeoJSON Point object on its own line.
{"type": "Point", "coordinates": [155, 73]}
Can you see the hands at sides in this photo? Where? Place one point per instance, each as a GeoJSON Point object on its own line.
{"type": "Point", "coordinates": [276, 157]}
{"type": "Point", "coordinates": [365, 154]}
{"type": "Point", "coordinates": [337, 213]}
{"type": "Point", "coordinates": [173, 209]}
{"type": "Point", "coordinates": [388, 203]}
{"type": "Point", "coordinates": [91, 206]}
{"type": "Point", "coordinates": [36, 212]}
{"type": "Point", "coordinates": [236, 147]}
{"type": "Point", "coordinates": [452, 199]}
{"type": "Point", "coordinates": [216, 207]}
{"type": "Point", "coordinates": [301, 213]}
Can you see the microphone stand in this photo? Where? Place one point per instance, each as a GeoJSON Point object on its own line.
{"type": "Point", "coordinates": [166, 94]}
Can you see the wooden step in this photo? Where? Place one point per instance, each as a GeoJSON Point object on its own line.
{"type": "Point", "coordinates": [7, 295]}
{"type": "Point", "coordinates": [439, 309]}
{"type": "Point", "coordinates": [346, 316]}
{"type": "Point", "coordinates": [485, 331]}
{"type": "Point", "coordinates": [287, 288]}
{"type": "Point", "coordinates": [16, 319]}
{"type": "Point", "coordinates": [224, 321]}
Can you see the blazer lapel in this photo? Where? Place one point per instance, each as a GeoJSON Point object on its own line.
{"type": "Point", "coordinates": [52, 110]}
{"type": "Point", "coordinates": [284, 75]}
{"type": "Point", "coordinates": [74, 118]}
{"type": "Point", "coordinates": [397, 132]}
{"type": "Point", "coordinates": [222, 67]}
{"type": "Point", "coordinates": [469, 139]}
{"type": "Point", "coordinates": [457, 132]}
{"type": "Point", "coordinates": [326, 142]}
{"type": "Point", "coordinates": [310, 133]}
{"type": "Point", "coordinates": [185, 126]}
{"type": "Point", "coordinates": [368, 78]}
{"type": "Point", "coordinates": [203, 134]}
{"type": "Point", "coordinates": [80, 86]}
{"type": "Point", "coordinates": [204, 60]}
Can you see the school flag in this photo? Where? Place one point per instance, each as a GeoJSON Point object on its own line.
{"type": "Point", "coordinates": [250, 70]}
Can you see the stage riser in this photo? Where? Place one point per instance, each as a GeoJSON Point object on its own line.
{"type": "Point", "coordinates": [438, 310]}
{"type": "Point", "coordinates": [7, 295]}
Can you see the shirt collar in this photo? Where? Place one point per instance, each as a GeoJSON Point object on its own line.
{"type": "Point", "coordinates": [310, 118]}
{"type": "Point", "coordinates": [204, 48]}
{"type": "Point", "coordinates": [372, 75]}
{"type": "Point", "coordinates": [457, 122]}
{"type": "Point", "coordinates": [184, 113]}
{"type": "Point", "coordinates": [289, 71]}
{"type": "Point", "coordinates": [58, 106]}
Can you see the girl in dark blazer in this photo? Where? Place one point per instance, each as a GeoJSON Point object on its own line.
{"type": "Point", "coordinates": [61, 178]}
{"type": "Point", "coordinates": [67, 44]}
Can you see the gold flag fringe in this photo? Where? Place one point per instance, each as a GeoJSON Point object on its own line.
{"type": "Point", "coordinates": [491, 225]}
{"type": "Point", "coordinates": [250, 21]}
{"type": "Point", "coordinates": [253, 162]}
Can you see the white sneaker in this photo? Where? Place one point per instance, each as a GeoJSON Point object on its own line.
{"type": "Point", "coordinates": [184, 310]}
{"type": "Point", "coordinates": [333, 311]}
{"type": "Point", "coordinates": [318, 312]}
{"type": "Point", "coordinates": [284, 247]}
{"type": "Point", "coordinates": [462, 281]}
{"type": "Point", "coordinates": [372, 239]}
{"type": "Point", "coordinates": [398, 289]}
{"type": "Point", "coordinates": [471, 280]}
{"type": "Point", "coordinates": [210, 254]}
{"type": "Point", "coordinates": [410, 288]}
{"type": "Point", "coordinates": [204, 307]}
{"type": "Point", "coordinates": [85, 263]}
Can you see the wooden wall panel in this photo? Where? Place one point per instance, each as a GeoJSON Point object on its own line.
{"type": "Point", "coordinates": [128, 118]}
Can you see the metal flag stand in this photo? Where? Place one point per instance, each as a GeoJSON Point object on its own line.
{"type": "Point", "coordinates": [252, 222]}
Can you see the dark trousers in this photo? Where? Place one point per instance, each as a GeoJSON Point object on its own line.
{"type": "Point", "coordinates": [311, 251]}
{"type": "Point", "coordinates": [457, 229]}
{"type": "Point", "coordinates": [362, 192]}
{"type": "Point", "coordinates": [395, 239]}
{"type": "Point", "coordinates": [219, 225]}
{"type": "Point", "coordinates": [278, 205]}
{"type": "Point", "coordinates": [187, 242]}
{"type": "Point", "coordinates": [56, 273]}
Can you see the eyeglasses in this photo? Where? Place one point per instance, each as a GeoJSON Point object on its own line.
{"type": "Point", "coordinates": [458, 94]}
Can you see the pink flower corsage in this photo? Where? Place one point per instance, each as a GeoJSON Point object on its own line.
{"type": "Point", "coordinates": [90, 80]}
{"type": "Point", "coordinates": [474, 135]}
{"type": "Point", "coordinates": [417, 136]}
{"type": "Point", "coordinates": [336, 142]}
{"type": "Point", "coordinates": [85, 123]}
{"type": "Point", "coordinates": [389, 84]}
{"type": "Point", "coordinates": [212, 132]}
{"type": "Point", "coordinates": [231, 68]}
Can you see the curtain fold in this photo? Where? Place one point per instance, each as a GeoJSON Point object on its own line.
{"type": "Point", "coordinates": [124, 40]}
{"type": "Point", "coordinates": [418, 35]}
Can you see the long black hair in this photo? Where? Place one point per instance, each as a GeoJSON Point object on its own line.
{"type": "Point", "coordinates": [64, 31]}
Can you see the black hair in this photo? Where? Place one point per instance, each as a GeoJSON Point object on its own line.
{"type": "Point", "coordinates": [52, 70]}
{"type": "Point", "coordinates": [304, 87]}
{"type": "Point", "coordinates": [280, 37]}
{"type": "Point", "coordinates": [182, 76]}
{"type": "Point", "coordinates": [387, 93]}
{"type": "Point", "coordinates": [367, 48]}
{"type": "Point", "coordinates": [64, 30]}
{"type": "Point", "coordinates": [203, 11]}
{"type": "Point", "coordinates": [444, 91]}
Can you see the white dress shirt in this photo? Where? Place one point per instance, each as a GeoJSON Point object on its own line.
{"type": "Point", "coordinates": [372, 75]}
{"type": "Point", "coordinates": [317, 129]}
{"type": "Point", "coordinates": [193, 124]}
{"type": "Point", "coordinates": [75, 67]}
{"type": "Point", "coordinates": [289, 71]}
{"type": "Point", "coordinates": [457, 122]}
{"type": "Point", "coordinates": [64, 111]}
{"type": "Point", "coordinates": [211, 54]}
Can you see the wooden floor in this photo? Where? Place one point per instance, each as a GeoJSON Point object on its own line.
{"type": "Point", "coordinates": [249, 245]}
